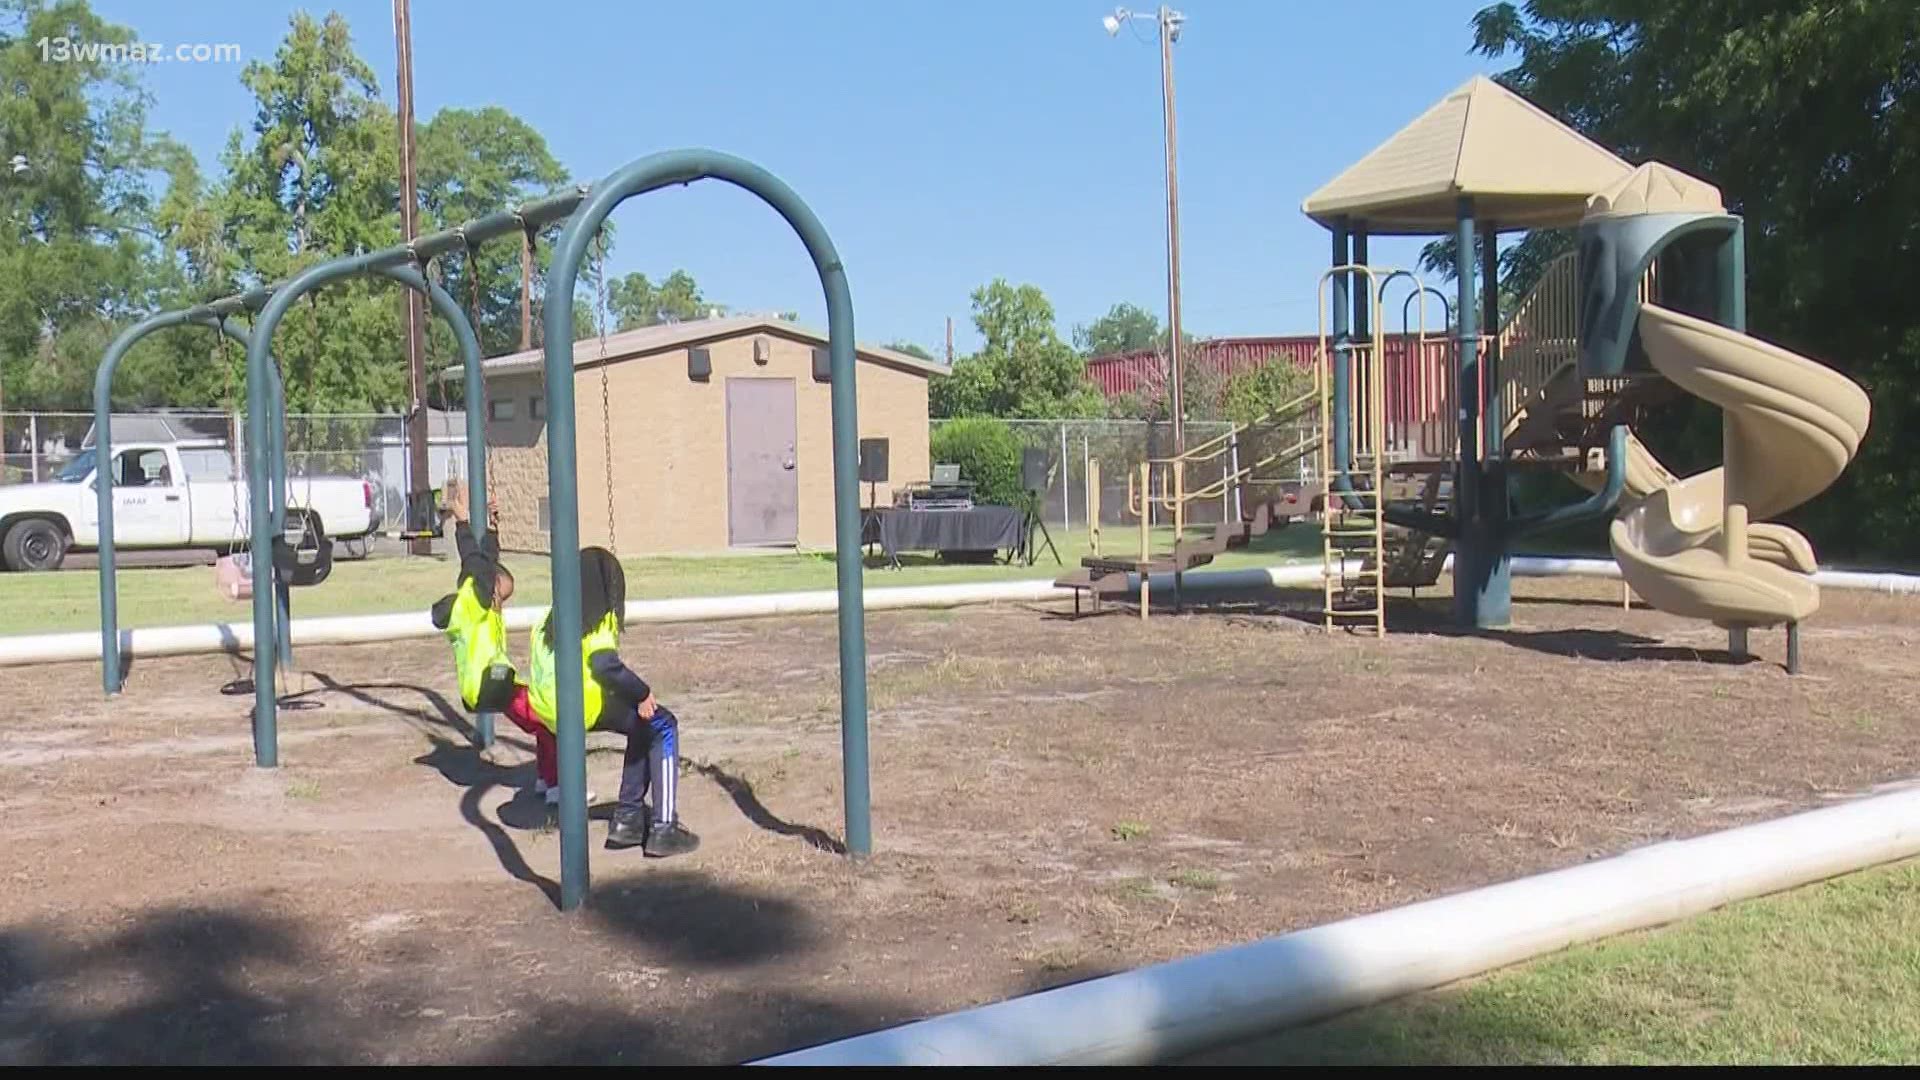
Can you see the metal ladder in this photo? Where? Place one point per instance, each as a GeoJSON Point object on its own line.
{"type": "Point", "coordinates": [1353, 552]}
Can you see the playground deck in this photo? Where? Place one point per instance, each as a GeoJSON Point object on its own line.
{"type": "Point", "coordinates": [1052, 799]}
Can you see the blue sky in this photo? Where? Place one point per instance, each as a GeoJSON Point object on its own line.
{"type": "Point", "coordinates": [944, 144]}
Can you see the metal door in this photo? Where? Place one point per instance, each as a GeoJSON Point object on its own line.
{"type": "Point", "coordinates": [763, 477]}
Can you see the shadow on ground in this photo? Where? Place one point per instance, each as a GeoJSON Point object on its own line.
{"type": "Point", "coordinates": [740, 790]}
{"type": "Point", "coordinates": [1431, 616]}
{"type": "Point", "coordinates": [235, 985]}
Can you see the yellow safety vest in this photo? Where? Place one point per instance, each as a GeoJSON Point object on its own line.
{"type": "Point", "coordinates": [478, 634]}
{"type": "Point", "coordinates": [543, 691]}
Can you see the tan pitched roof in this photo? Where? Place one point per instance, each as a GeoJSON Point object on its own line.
{"type": "Point", "coordinates": [1523, 168]}
{"type": "Point", "coordinates": [648, 340]}
{"type": "Point", "coordinates": [1655, 188]}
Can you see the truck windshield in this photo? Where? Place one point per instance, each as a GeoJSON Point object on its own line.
{"type": "Point", "coordinates": [77, 469]}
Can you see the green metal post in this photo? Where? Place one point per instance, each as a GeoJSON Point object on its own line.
{"type": "Point", "coordinates": [1466, 481]}
{"type": "Point", "coordinates": [649, 174]}
{"type": "Point", "coordinates": [1495, 603]}
{"type": "Point", "coordinates": [1731, 271]}
{"type": "Point", "coordinates": [1339, 346]}
{"type": "Point", "coordinates": [267, 465]}
{"type": "Point", "coordinates": [467, 342]}
{"type": "Point", "coordinates": [111, 676]}
{"type": "Point", "coordinates": [1362, 290]}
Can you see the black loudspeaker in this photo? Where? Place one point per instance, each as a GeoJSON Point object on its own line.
{"type": "Point", "coordinates": [822, 366]}
{"type": "Point", "coordinates": [699, 364]}
{"type": "Point", "coordinates": [873, 461]}
{"type": "Point", "coordinates": [1033, 469]}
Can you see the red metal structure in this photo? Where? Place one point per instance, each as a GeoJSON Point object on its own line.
{"type": "Point", "coordinates": [1419, 395]}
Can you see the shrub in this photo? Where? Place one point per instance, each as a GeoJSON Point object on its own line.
{"type": "Point", "coordinates": [988, 455]}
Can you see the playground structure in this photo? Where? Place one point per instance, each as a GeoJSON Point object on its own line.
{"type": "Point", "coordinates": [278, 565]}
{"type": "Point", "coordinates": [1420, 435]}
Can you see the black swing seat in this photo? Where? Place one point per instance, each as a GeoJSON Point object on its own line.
{"type": "Point", "coordinates": [307, 563]}
{"type": "Point", "coordinates": [424, 516]}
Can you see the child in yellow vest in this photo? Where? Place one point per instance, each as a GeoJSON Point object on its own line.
{"type": "Point", "coordinates": [473, 619]}
{"type": "Point", "coordinates": [617, 699]}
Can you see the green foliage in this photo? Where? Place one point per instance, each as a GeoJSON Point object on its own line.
{"type": "Point", "coordinates": [312, 175]}
{"type": "Point", "coordinates": [1520, 267]}
{"type": "Point", "coordinates": [988, 455]}
{"type": "Point", "coordinates": [1212, 394]}
{"type": "Point", "coordinates": [1254, 392]}
{"type": "Point", "coordinates": [635, 301]}
{"type": "Point", "coordinates": [1124, 328]}
{"type": "Point", "coordinates": [1023, 369]}
{"type": "Point", "coordinates": [77, 247]}
{"type": "Point", "coordinates": [910, 349]}
{"type": "Point", "coordinates": [472, 162]}
{"type": "Point", "coordinates": [1805, 114]}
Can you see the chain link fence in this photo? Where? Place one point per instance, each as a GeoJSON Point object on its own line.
{"type": "Point", "coordinates": [1071, 446]}
{"type": "Point", "coordinates": [36, 446]}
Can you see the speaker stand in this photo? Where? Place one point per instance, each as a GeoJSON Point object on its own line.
{"type": "Point", "coordinates": [1034, 519]}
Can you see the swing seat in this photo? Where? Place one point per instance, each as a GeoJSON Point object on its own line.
{"type": "Point", "coordinates": [233, 575]}
{"type": "Point", "coordinates": [424, 517]}
{"type": "Point", "coordinates": [307, 562]}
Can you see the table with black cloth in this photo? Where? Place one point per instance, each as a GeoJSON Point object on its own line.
{"type": "Point", "coordinates": [980, 528]}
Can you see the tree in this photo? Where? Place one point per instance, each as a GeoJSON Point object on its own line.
{"type": "Point", "coordinates": [1023, 369]}
{"type": "Point", "coordinates": [318, 180]}
{"type": "Point", "coordinates": [474, 162]}
{"type": "Point", "coordinates": [108, 222]}
{"type": "Point", "coordinates": [635, 301]}
{"type": "Point", "coordinates": [910, 349]}
{"type": "Point", "coordinates": [1124, 328]}
{"type": "Point", "coordinates": [1520, 266]}
{"type": "Point", "coordinates": [1805, 114]}
{"type": "Point", "coordinates": [78, 249]}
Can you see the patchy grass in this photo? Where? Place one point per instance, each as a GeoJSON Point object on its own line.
{"type": "Point", "coordinates": [1196, 879]}
{"type": "Point", "coordinates": [1130, 830]}
{"type": "Point", "coordinates": [1827, 974]}
{"type": "Point", "coordinates": [160, 596]}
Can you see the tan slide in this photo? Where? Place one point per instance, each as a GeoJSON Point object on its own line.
{"type": "Point", "coordinates": [1792, 425]}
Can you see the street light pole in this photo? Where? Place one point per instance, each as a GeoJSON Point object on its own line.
{"type": "Point", "coordinates": [1169, 29]}
{"type": "Point", "coordinates": [1169, 22]}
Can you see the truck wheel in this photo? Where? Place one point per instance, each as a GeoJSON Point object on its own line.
{"type": "Point", "coordinates": [35, 544]}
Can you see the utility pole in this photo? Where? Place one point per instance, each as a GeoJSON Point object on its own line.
{"type": "Point", "coordinates": [1169, 22]}
{"type": "Point", "coordinates": [949, 341]}
{"type": "Point", "coordinates": [414, 316]}
{"type": "Point", "coordinates": [1169, 29]}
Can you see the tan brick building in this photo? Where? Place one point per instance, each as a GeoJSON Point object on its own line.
{"type": "Point", "coordinates": [721, 436]}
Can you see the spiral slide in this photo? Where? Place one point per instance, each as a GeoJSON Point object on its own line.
{"type": "Point", "coordinates": [1792, 425]}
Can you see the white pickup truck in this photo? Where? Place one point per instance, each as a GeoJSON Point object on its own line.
{"type": "Point", "coordinates": [165, 495]}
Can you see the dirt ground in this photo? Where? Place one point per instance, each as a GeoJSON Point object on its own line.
{"type": "Point", "coordinates": [1053, 799]}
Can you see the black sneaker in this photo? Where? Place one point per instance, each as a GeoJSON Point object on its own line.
{"type": "Point", "coordinates": [669, 839]}
{"type": "Point", "coordinates": [627, 830]}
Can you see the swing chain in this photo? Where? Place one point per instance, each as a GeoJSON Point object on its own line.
{"type": "Point", "coordinates": [606, 395]}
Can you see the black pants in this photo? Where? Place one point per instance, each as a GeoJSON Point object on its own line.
{"type": "Point", "coordinates": [652, 758]}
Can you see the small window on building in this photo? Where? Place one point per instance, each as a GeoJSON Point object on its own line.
{"type": "Point", "coordinates": [500, 408]}
{"type": "Point", "coordinates": [537, 408]}
{"type": "Point", "coordinates": [546, 516]}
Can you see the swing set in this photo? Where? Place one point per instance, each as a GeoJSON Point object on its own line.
{"type": "Point", "coordinates": [584, 211]}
